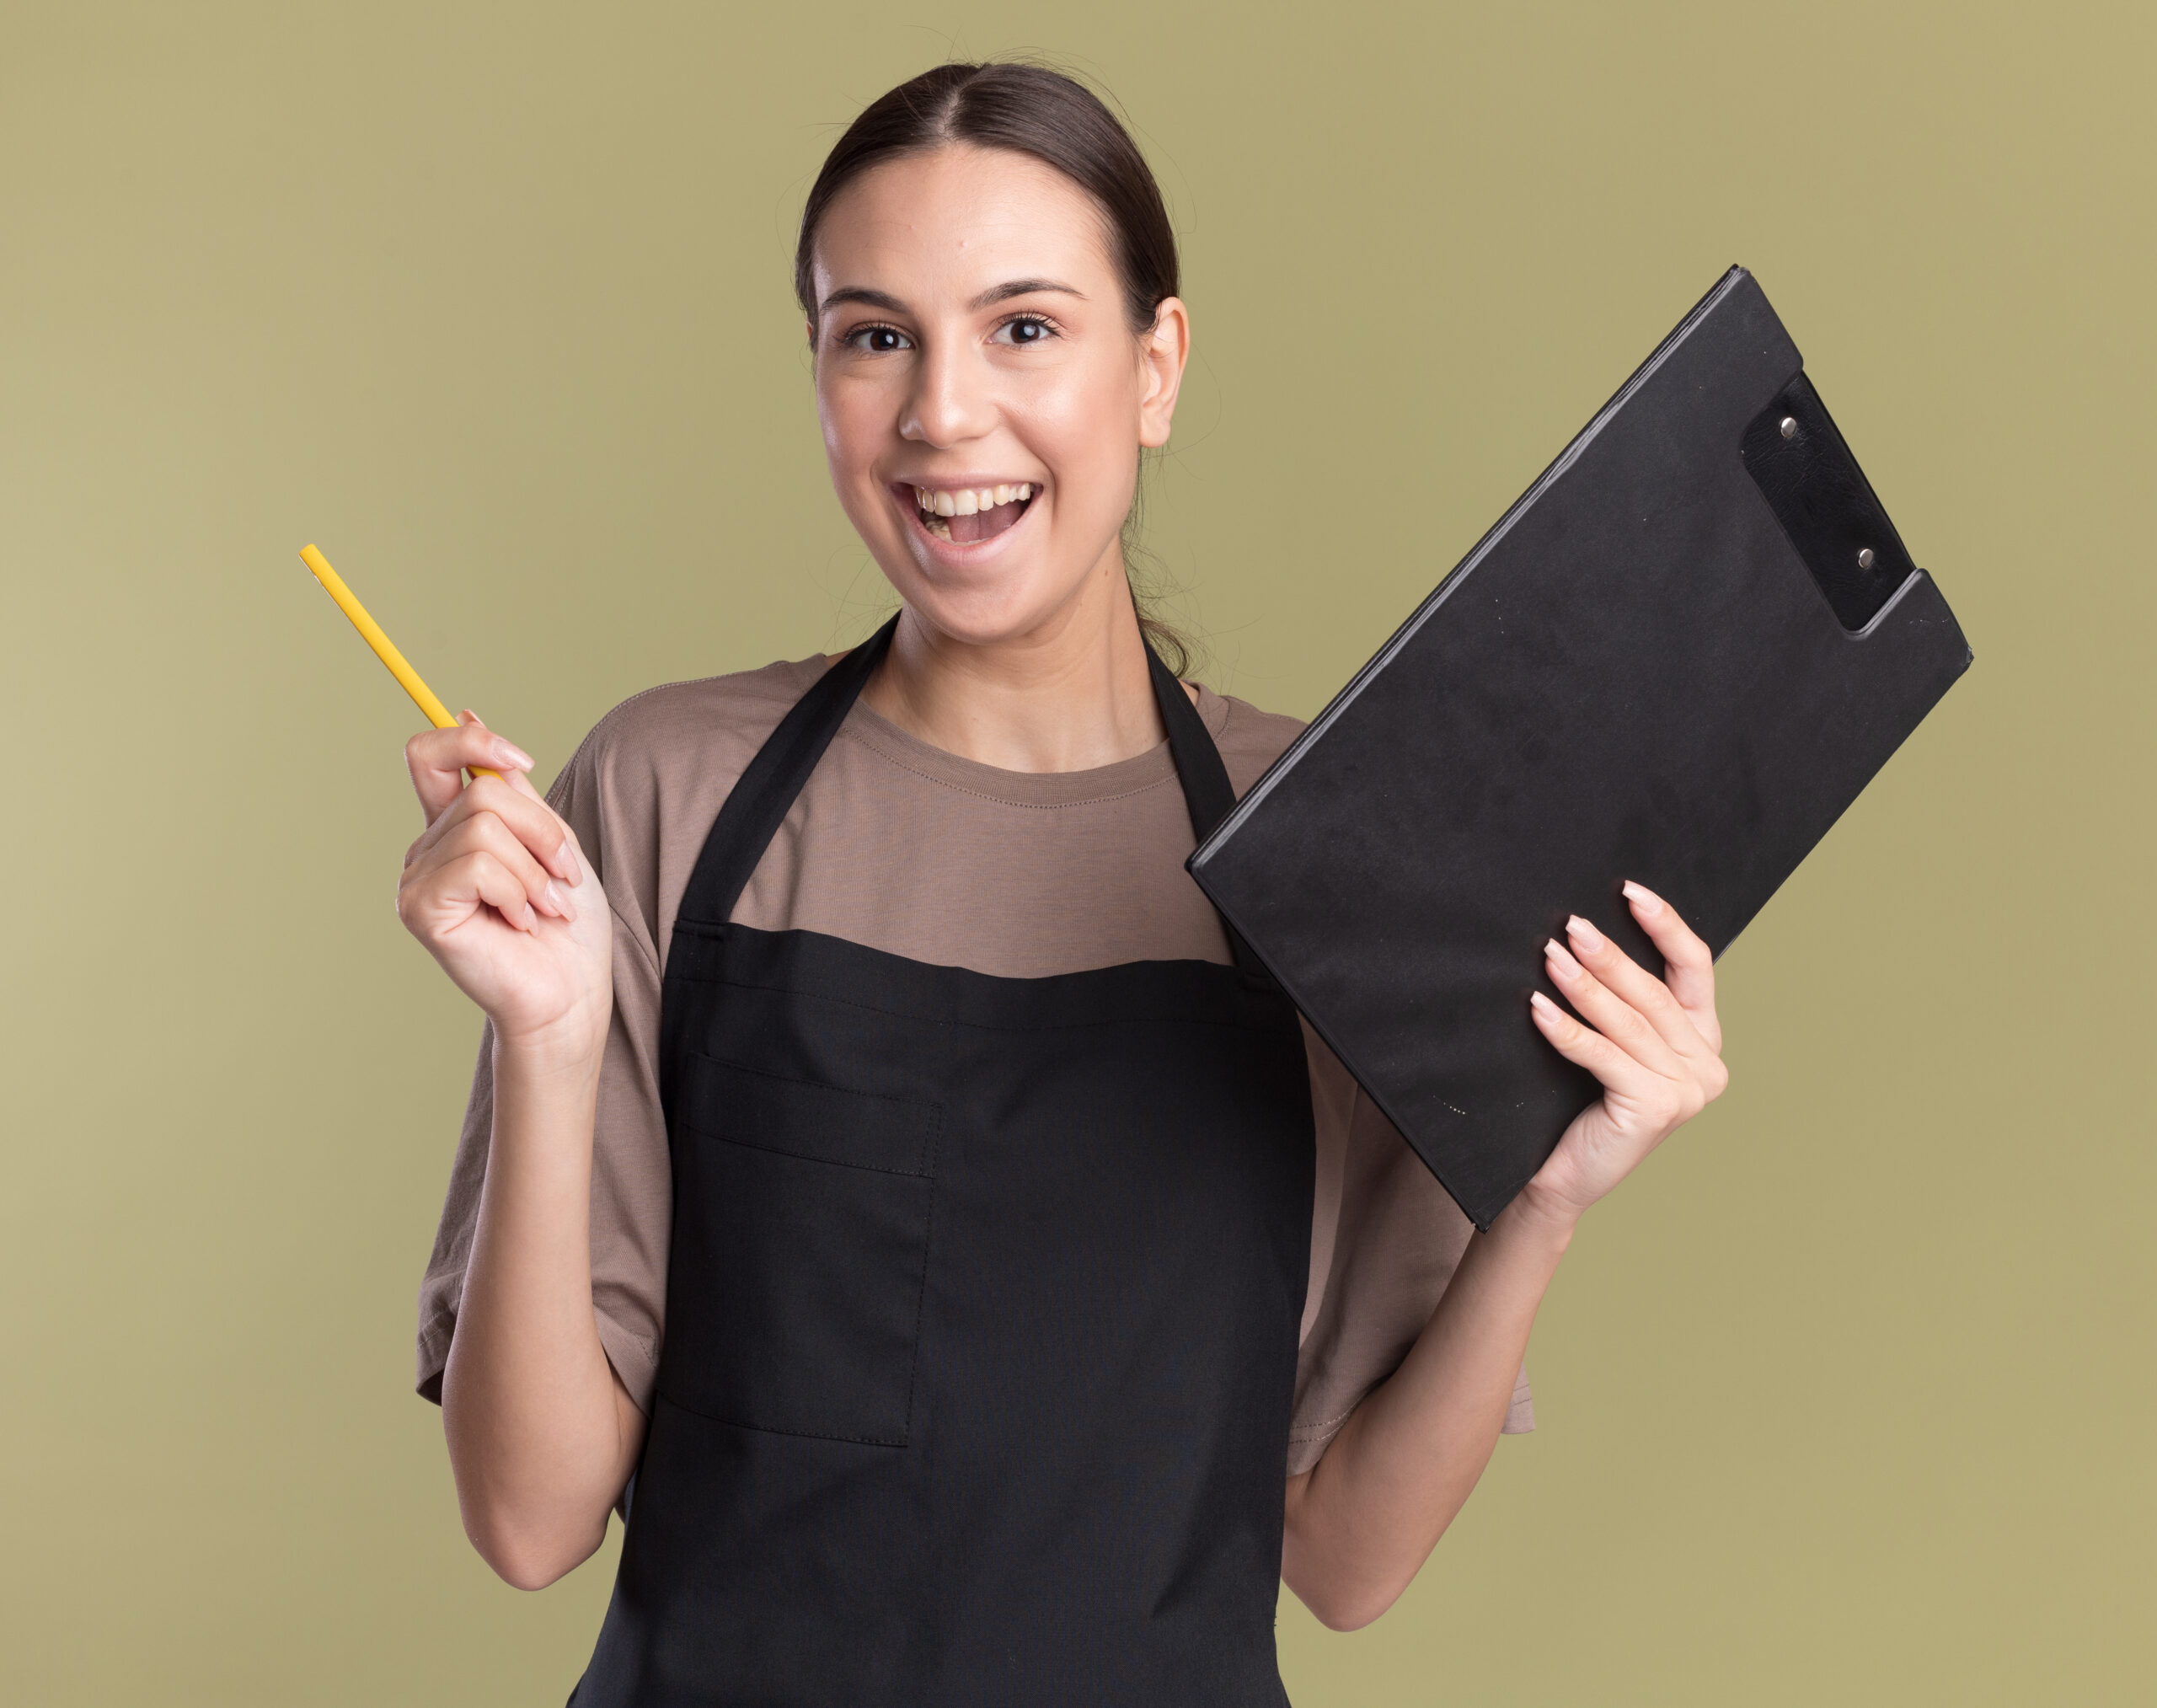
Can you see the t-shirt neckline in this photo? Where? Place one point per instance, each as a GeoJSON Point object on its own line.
{"type": "Point", "coordinates": [1141, 771]}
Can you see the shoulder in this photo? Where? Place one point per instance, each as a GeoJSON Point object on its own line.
{"type": "Point", "coordinates": [642, 790]}
{"type": "Point", "coordinates": [714, 725]}
{"type": "Point", "coordinates": [1250, 740]}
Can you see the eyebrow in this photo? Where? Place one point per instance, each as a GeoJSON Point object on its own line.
{"type": "Point", "coordinates": [1023, 287]}
{"type": "Point", "coordinates": [988, 299]}
{"type": "Point", "coordinates": [868, 299]}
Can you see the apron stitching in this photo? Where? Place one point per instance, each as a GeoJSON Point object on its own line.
{"type": "Point", "coordinates": [801, 1434]}
{"type": "Point", "coordinates": [829, 1162]}
{"type": "Point", "coordinates": [1127, 1020]}
{"type": "Point", "coordinates": [1127, 1017]}
{"type": "Point", "coordinates": [821, 1084]}
{"type": "Point", "coordinates": [927, 1254]}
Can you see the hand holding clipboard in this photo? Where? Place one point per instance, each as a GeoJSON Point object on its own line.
{"type": "Point", "coordinates": [1678, 659]}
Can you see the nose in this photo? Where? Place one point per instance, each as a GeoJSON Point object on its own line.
{"type": "Point", "coordinates": [949, 402]}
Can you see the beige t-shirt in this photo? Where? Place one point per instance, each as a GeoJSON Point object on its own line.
{"type": "Point", "coordinates": [904, 847]}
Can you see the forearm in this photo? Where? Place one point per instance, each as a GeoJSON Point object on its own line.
{"type": "Point", "coordinates": [541, 1435]}
{"type": "Point", "coordinates": [1361, 1524]}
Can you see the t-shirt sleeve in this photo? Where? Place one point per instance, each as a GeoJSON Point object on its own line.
{"type": "Point", "coordinates": [1386, 1242]}
{"type": "Point", "coordinates": [631, 1183]}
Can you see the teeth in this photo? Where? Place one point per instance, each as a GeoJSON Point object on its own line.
{"type": "Point", "coordinates": [936, 503]}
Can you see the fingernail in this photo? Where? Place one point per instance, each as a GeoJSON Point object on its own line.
{"type": "Point", "coordinates": [511, 755]}
{"type": "Point", "coordinates": [1584, 936]}
{"type": "Point", "coordinates": [1645, 899]}
{"type": "Point", "coordinates": [1565, 965]}
{"type": "Point", "coordinates": [558, 899]}
{"type": "Point", "coordinates": [1542, 1005]}
{"type": "Point", "coordinates": [567, 856]}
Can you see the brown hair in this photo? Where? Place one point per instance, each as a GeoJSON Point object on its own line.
{"type": "Point", "coordinates": [1029, 110]}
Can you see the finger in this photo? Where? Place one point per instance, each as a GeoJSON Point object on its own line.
{"type": "Point", "coordinates": [530, 820]}
{"type": "Point", "coordinates": [490, 830]}
{"type": "Point", "coordinates": [486, 833]}
{"type": "Point", "coordinates": [437, 758]}
{"type": "Point", "coordinates": [566, 861]}
{"type": "Point", "coordinates": [1614, 1069]}
{"type": "Point", "coordinates": [479, 877]}
{"type": "Point", "coordinates": [1633, 983]}
{"type": "Point", "coordinates": [444, 898]}
{"type": "Point", "coordinates": [568, 853]}
{"type": "Point", "coordinates": [1607, 1012]}
{"type": "Point", "coordinates": [1637, 1102]}
{"type": "Point", "coordinates": [1690, 967]}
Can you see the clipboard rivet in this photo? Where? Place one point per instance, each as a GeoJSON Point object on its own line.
{"type": "Point", "coordinates": [1865, 558]}
{"type": "Point", "coordinates": [1790, 426]}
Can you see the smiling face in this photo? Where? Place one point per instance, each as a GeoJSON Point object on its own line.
{"type": "Point", "coordinates": [982, 396]}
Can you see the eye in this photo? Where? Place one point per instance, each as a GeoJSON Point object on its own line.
{"type": "Point", "coordinates": [1026, 328]}
{"type": "Point", "coordinates": [877, 340]}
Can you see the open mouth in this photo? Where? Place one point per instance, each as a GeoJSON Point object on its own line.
{"type": "Point", "coordinates": [966, 515]}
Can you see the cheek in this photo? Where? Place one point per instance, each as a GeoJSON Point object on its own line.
{"type": "Point", "coordinates": [855, 430]}
{"type": "Point", "coordinates": [1084, 425]}
{"type": "Point", "coordinates": [840, 414]}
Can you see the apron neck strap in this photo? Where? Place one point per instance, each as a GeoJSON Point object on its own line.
{"type": "Point", "coordinates": [1208, 794]}
{"type": "Point", "coordinates": [765, 793]}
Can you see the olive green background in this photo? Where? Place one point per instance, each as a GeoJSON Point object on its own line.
{"type": "Point", "coordinates": [1847, 1397]}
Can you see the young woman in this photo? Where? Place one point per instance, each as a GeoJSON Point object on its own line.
{"type": "Point", "coordinates": [876, 1148]}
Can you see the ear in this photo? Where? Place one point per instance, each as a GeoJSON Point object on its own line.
{"type": "Point", "coordinates": [1162, 350]}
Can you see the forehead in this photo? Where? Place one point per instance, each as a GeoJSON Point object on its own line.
{"type": "Point", "coordinates": [960, 219]}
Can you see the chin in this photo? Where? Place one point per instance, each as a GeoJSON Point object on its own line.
{"type": "Point", "coordinates": [1002, 611]}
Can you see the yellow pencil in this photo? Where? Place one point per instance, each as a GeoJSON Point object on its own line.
{"type": "Point", "coordinates": [371, 632]}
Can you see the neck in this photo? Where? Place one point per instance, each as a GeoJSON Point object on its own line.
{"type": "Point", "coordinates": [1071, 694]}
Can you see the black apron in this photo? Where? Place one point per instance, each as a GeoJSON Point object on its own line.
{"type": "Point", "coordinates": [981, 1315]}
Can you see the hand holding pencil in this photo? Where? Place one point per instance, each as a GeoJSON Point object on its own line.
{"type": "Point", "coordinates": [487, 886]}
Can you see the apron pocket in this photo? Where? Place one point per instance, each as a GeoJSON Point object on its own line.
{"type": "Point", "coordinates": [801, 1220]}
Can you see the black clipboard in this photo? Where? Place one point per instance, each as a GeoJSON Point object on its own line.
{"type": "Point", "coordinates": [1677, 658]}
